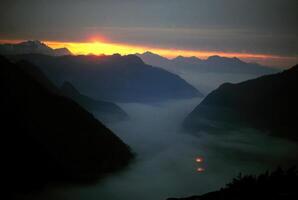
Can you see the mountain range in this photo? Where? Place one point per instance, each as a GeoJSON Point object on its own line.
{"type": "Point", "coordinates": [113, 78]}
{"type": "Point", "coordinates": [268, 103]}
{"type": "Point", "coordinates": [32, 47]}
{"type": "Point", "coordinates": [213, 64]}
{"type": "Point", "coordinates": [47, 137]}
{"type": "Point", "coordinates": [207, 75]}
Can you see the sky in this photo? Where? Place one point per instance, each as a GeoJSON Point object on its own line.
{"type": "Point", "coordinates": [264, 31]}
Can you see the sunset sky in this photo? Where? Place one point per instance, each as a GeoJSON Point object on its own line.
{"type": "Point", "coordinates": [263, 31]}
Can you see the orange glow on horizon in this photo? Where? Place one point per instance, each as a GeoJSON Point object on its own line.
{"type": "Point", "coordinates": [99, 45]}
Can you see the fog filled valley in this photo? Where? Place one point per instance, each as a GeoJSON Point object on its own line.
{"type": "Point", "coordinates": [165, 156]}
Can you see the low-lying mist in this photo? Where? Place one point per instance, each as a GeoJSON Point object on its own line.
{"type": "Point", "coordinates": [207, 82]}
{"type": "Point", "coordinates": [165, 163]}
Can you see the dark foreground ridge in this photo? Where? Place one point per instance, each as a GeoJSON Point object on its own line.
{"type": "Point", "coordinates": [47, 137]}
{"type": "Point", "coordinates": [278, 185]}
{"type": "Point", "coordinates": [267, 103]}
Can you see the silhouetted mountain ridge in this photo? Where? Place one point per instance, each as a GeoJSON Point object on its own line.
{"type": "Point", "coordinates": [268, 103]}
{"type": "Point", "coordinates": [188, 60]}
{"type": "Point", "coordinates": [105, 111]}
{"type": "Point", "coordinates": [32, 46]}
{"type": "Point", "coordinates": [113, 78]}
{"type": "Point", "coordinates": [213, 64]}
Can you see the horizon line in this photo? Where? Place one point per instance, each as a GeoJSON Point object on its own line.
{"type": "Point", "coordinates": [110, 48]}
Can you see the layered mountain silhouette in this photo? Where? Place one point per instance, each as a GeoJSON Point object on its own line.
{"type": "Point", "coordinates": [207, 75]}
{"type": "Point", "coordinates": [113, 78]}
{"type": "Point", "coordinates": [267, 103]}
{"type": "Point", "coordinates": [32, 47]}
{"type": "Point", "coordinates": [279, 185]}
{"type": "Point", "coordinates": [214, 64]}
{"type": "Point", "coordinates": [105, 111]}
{"type": "Point", "coordinates": [47, 137]}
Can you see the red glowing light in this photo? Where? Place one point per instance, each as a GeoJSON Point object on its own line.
{"type": "Point", "coordinates": [199, 159]}
{"type": "Point", "coordinates": [200, 169]}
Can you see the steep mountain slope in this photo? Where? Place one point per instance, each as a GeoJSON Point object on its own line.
{"type": "Point", "coordinates": [38, 76]}
{"type": "Point", "coordinates": [154, 59]}
{"type": "Point", "coordinates": [106, 111]}
{"type": "Point", "coordinates": [48, 138]}
{"type": "Point", "coordinates": [114, 78]}
{"type": "Point", "coordinates": [268, 102]}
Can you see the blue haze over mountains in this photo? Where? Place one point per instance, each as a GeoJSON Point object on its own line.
{"type": "Point", "coordinates": [204, 75]}
{"type": "Point", "coordinates": [113, 78]}
{"type": "Point", "coordinates": [207, 75]}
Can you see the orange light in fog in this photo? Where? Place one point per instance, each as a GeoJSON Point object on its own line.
{"type": "Point", "coordinates": [200, 169]}
{"type": "Point", "coordinates": [199, 159]}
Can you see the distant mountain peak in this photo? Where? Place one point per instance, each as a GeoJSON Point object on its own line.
{"type": "Point", "coordinates": [30, 42]}
{"type": "Point", "coordinates": [191, 59]}
{"type": "Point", "coordinates": [179, 57]}
{"type": "Point", "coordinates": [152, 58]}
{"type": "Point", "coordinates": [150, 53]}
{"type": "Point", "coordinates": [33, 42]}
{"type": "Point", "coordinates": [131, 59]}
{"type": "Point", "coordinates": [116, 55]}
{"type": "Point", "coordinates": [214, 57]}
{"type": "Point", "coordinates": [222, 58]}
{"type": "Point", "coordinates": [62, 51]}
{"type": "Point", "coordinates": [237, 60]}
{"type": "Point", "coordinates": [32, 47]}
